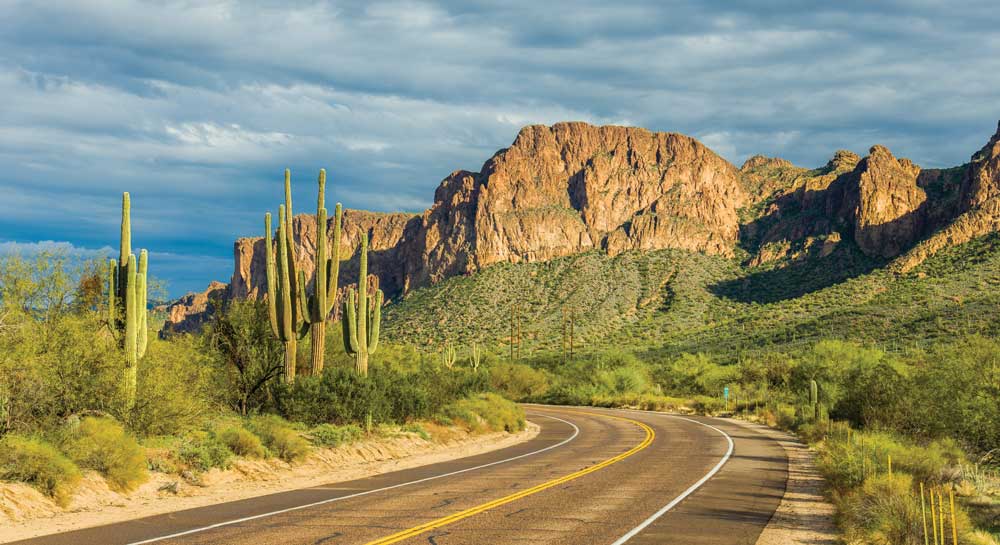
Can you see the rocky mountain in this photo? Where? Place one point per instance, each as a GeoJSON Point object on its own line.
{"type": "Point", "coordinates": [574, 187]}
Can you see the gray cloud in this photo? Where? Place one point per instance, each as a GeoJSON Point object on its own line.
{"type": "Point", "coordinates": [196, 108]}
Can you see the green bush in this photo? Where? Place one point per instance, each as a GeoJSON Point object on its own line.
{"type": "Point", "coordinates": [241, 441]}
{"type": "Point", "coordinates": [416, 428]}
{"type": "Point", "coordinates": [202, 450]}
{"type": "Point", "coordinates": [388, 394]}
{"type": "Point", "coordinates": [518, 381]}
{"type": "Point", "coordinates": [486, 412]}
{"type": "Point", "coordinates": [330, 435]}
{"type": "Point", "coordinates": [280, 437]}
{"type": "Point", "coordinates": [103, 445]}
{"type": "Point", "coordinates": [39, 464]}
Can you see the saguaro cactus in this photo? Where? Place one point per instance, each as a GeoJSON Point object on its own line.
{"type": "Point", "coordinates": [515, 333]}
{"type": "Point", "coordinates": [282, 303]}
{"type": "Point", "coordinates": [127, 303]}
{"type": "Point", "coordinates": [362, 316]}
{"type": "Point", "coordinates": [448, 356]}
{"type": "Point", "coordinates": [814, 399]}
{"type": "Point", "coordinates": [475, 357]}
{"type": "Point", "coordinates": [316, 309]}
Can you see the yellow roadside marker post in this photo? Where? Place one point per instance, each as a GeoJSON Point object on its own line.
{"type": "Point", "coordinates": [933, 518]}
{"type": "Point", "coordinates": [923, 514]}
{"type": "Point", "coordinates": [941, 514]}
{"type": "Point", "coordinates": [954, 519]}
{"type": "Point", "coordinates": [890, 465]}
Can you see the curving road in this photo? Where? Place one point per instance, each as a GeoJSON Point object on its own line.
{"type": "Point", "coordinates": [591, 476]}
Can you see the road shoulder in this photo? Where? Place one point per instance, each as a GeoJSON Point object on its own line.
{"type": "Point", "coordinates": [248, 480]}
{"type": "Point", "coordinates": [804, 516]}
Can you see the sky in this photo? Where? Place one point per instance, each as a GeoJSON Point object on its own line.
{"type": "Point", "coordinates": [197, 107]}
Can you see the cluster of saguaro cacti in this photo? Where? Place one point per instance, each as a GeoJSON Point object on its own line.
{"type": "Point", "coordinates": [475, 356]}
{"type": "Point", "coordinates": [317, 308]}
{"type": "Point", "coordinates": [283, 306]}
{"type": "Point", "coordinates": [515, 333]}
{"type": "Point", "coordinates": [448, 356]}
{"type": "Point", "coordinates": [362, 316]}
{"type": "Point", "coordinates": [127, 312]}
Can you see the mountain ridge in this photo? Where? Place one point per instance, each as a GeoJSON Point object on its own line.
{"type": "Point", "coordinates": [572, 187]}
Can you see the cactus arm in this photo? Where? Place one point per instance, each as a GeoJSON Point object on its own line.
{"type": "Point", "coordinates": [375, 322]}
{"type": "Point", "coordinates": [287, 295]}
{"type": "Point", "coordinates": [333, 275]}
{"type": "Point", "coordinates": [363, 297]}
{"type": "Point", "coordinates": [304, 299]}
{"type": "Point", "coordinates": [125, 249]}
{"type": "Point", "coordinates": [272, 288]}
{"type": "Point", "coordinates": [141, 304]}
{"type": "Point", "coordinates": [350, 324]}
{"type": "Point", "coordinates": [290, 249]}
{"type": "Point", "coordinates": [319, 310]}
{"type": "Point", "coordinates": [112, 298]}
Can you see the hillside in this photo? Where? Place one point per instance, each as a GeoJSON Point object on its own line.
{"type": "Point", "coordinates": [667, 302]}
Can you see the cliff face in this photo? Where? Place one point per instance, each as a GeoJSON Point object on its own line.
{"type": "Point", "coordinates": [556, 191]}
{"type": "Point", "coordinates": [573, 187]}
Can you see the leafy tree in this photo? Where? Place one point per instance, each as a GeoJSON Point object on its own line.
{"type": "Point", "coordinates": [250, 355]}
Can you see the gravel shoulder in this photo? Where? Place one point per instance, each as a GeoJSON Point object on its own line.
{"type": "Point", "coordinates": [804, 515]}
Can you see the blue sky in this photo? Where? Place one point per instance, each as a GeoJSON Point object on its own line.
{"type": "Point", "coordinates": [197, 107]}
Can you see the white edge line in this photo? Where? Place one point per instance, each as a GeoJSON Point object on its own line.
{"type": "Point", "coordinates": [576, 431]}
{"type": "Point", "coordinates": [642, 526]}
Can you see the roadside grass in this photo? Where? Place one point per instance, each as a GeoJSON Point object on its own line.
{"type": "Point", "coordinates": [483, 413]}
{"type": "Point", "coordinates": [102, 444]}
{"type": "Point", "coordinates": [33, 461]}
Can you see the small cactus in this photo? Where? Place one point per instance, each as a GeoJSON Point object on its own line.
{"type": "Point", "coordinates": [814, 399]}
{"type": "Point", "coordinates": [127, 302]}
{"type": "Point", "coordinates": [475, 357]}
{"type": "Point", "coordinates": [448, 356]}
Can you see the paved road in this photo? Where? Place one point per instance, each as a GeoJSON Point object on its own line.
{"type": "Point", "coordinates": [592, 476]}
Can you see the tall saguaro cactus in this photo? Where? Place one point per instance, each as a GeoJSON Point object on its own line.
{"type": "Point", "coordinates": [362, 316]}
{"type": "Point", "coordinates": [282, 303]}
{"type": "Point", "coordinates": [316, 309]}
{"type": "Point", "coordinates": [127, 301]}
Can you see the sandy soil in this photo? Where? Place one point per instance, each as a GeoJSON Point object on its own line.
{"type": "Point", "coordinates": [804, 516]}
{"type": "Point", "coordinates": [25, 512]}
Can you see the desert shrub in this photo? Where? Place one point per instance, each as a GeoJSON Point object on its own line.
{"type": "Point", "coordinates": [518, 381]}
{"type": "Point", "coordinates": [486, 412]}
{"type": "Point", "coordinates": [388, 394]}
{"type": "Point", "coordinates": [33, 461]}
{"type": "Point", "coordinates": [176, 386]}
{"type": "Point", "coordinates": [103, 444]}
{"type": "Point", "coordinates": [883, 511]}
{"type": "Point", "coordinates": [418, 429]}
{"type": "Point", "coordinates": [241, 441]}
{"type": "Point", "coordinates": [203, 450]}
{"type": "Point", "coordinates": [280, 437]}
{"type": "Point", "coordinates": [330, 435]}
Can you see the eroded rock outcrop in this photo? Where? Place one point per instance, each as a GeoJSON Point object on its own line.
{"type": "Point", "coordinates": [888, 207]}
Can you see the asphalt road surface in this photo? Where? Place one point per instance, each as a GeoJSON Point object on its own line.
{"type": "Point", "coordinates": [591, 476]}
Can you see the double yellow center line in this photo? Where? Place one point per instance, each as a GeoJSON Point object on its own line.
{"type": "Point", "coordinates": [444, 521]}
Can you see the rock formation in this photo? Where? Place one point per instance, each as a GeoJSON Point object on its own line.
{"type": "Point", "coordinates": [574, 187]}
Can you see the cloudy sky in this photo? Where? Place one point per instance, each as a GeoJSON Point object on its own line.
{"type": "Point", "coordinates": [196, 107]}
